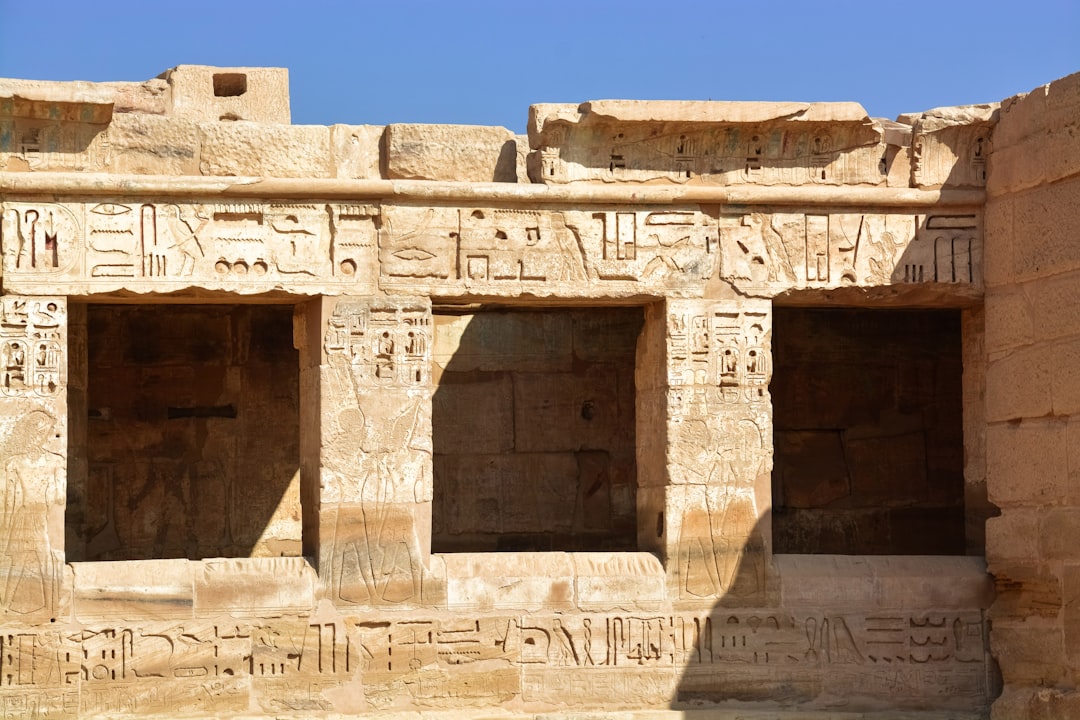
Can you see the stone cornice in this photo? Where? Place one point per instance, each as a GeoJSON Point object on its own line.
{"type": "Point", "coordinates": [17, 184]}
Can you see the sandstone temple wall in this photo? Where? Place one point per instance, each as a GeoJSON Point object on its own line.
{"type": "Point", "coordinates": [664, 409]}
{"type": "Point", "coordinates": [1031, 305]}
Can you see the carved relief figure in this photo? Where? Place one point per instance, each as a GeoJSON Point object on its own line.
{"type": "Point", "coordinates": [723, 551]}
{"type": "Point", "coordinates": [185, 239]}
{"type": "Point", "coordinates": [381, 466]}
{"type": "Point", "coordinates": [30, 487]}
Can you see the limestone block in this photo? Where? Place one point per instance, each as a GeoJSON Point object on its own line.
{"type": "Point", "coordinates": [705, 142]}
{"type": "Point", "coordinates": [474, 418]}
{"type": "Point", "coordinates": [1019, 384]}
{"type": "Point", "coordinates": [143, 144]}
{"type": "Point", "coordinates": [1010, 317]}
{"type": "Point", "coordinates": [151, 589]}
{"type": "Point", "coordinates": [951, 145]}
{"type": "Point", "coordinates": [1035, 138]}
{"type": "Point", "coordinates": [242, 586]}
{"type": "Point", "coordinates": [248, 148]}
{"type": "Point", "coordinates": [998, 265]}
{"type": "Point", "coordinates": [1026, 462]}
{"type": "Point", "coordinates": [1012, 537]}
{"type": "Point", "coordinates": [1073, 453]}
{"type": "Point", "coordinates": [1071, 615]}
{"type": "Point", "coordinates": [1038, 703]}
{"type": "Point", "coordinates": [357, 151]}
{"type": "Point", "coordinates": [1043, 221]}
{"type": "Point", "coordinates": [599, 337]}
{"type": "Point", "coordinates": [504, 342]}
{"type": "Point", "coordinates": [1029, 653]}
{"type": "Point", "coordinates": [520, 494]}
{"type": "Point", "coordinates": [1065, 365]}
{"type": "Point", "coordinates": [566, 412]}
{"type": "Point", "coordinates": [517, 581]}
{"type": "Point", "coordinates": [205, 93]}
{"type": "Point", "coordinates": [150, 97]}
{"type": "Point", "coordinates": [1060, 296]}
{"type": "Point", "coordinates": [1026, 590]}
{"type": "Point", "coordinates": [882, 583]}
{"type": "Point", "coordinates": [1058, 530]}
{"type": "Point", "coordinates": [463, 153]}
{"type": "Point", "coordinates": [609, 581]}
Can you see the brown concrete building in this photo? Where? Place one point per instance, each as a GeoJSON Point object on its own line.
{"type": "Point", "coordinates": [666, 410]}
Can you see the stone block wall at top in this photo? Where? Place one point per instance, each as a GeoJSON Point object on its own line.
{"type": "Point", "coordinates": [192, 188]}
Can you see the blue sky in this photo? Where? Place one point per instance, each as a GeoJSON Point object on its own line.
{"type": "Point", "coordinates": [474, 62]}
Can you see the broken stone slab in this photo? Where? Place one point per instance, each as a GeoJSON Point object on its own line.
{"type": "Point", "coordinates": [720, 143]}
{"type": "Point", "coordinates": [950, 145]}
{"type": "Point", "coordinates": [71, 101]}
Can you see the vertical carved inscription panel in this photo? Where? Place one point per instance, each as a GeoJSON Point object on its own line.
{"type": "Point", "coordinates": [377, 449]}
{"type": "Point", "coordinates": [33, 444]}
{"type": "Point", "coordinates": [719, 367]}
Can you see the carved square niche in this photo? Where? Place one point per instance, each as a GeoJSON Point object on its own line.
{"type": "Point", "coordinates": [185, 441]}
{"type": "Point", "coordinates": [533, 429]}
{"type": "Point", "coordinates": [868, 432]}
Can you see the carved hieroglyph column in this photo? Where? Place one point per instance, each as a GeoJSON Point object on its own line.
{"type": "Point", "coordinates": [718, 450]}
{"type": "Point", "coordinates": [375, 450]}
{"type": "Point", "coordinates": [33, 453]}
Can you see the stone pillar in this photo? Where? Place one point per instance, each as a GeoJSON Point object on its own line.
{"type": "Point", "coordinates": [718, 449]}
{"type": "Point", "coordinates": [33, 450]}
{"type": "Point", "coordinates": [374, 504]}
{"type": "Point", "coordinates": [1032, 417]}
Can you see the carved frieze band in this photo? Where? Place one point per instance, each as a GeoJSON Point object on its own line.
{"type": "Point", "coordinates": [82, 247]}
{"type": "Point", "coordinates": [611, 660]}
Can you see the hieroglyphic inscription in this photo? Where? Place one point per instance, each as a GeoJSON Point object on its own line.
{"type": "Point", "coordinates": [377, 396]}
{"type": "Point", "coordinates": [767, 253]}
{"type": "Point", "coordinates": [39, 239]}
{"type": "Point", "coordinates": [478, 247]}
{"type": "Point", "coordinates": [945, 250]}
{"type": "Point", "coordinates": [719, 368]}
{"type": "Point", "coordinates": [111, 243]}
{"type": "Point", "coordinates": [720, 154]}
{"type": "Point", "coordinates": [670, 245]}
{"type": "Point", "coordinates": [33, 368]}
{"type": "Point", "coordinates": [619, 660]}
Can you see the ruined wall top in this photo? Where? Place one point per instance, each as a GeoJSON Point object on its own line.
{"type": "Point", "coordinates": [197, 120]}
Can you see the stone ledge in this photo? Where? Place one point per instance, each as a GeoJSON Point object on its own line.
{"type": "Point", "coordinates": [881, 582]}
{"type": "Point", "coordinates": [65, 183]}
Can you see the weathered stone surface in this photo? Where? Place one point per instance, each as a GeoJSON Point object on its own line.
{"type": "Point", "coordinates": [437, 420]}
{"type": "Point", "coordinates": [204, 93]}
{"type": "Point", "coordinates": [356, 150]}
{"type": "Point", "coordinates": [1044, 119]}
{"type": "Point", "coordinates": [239, 148]}
{"type": "Point", "coordinates": [951, 146]}
{"type": "Point", "coordinates": [705, 142]}
{"type": "Point", "coordinates": [466, 153]}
